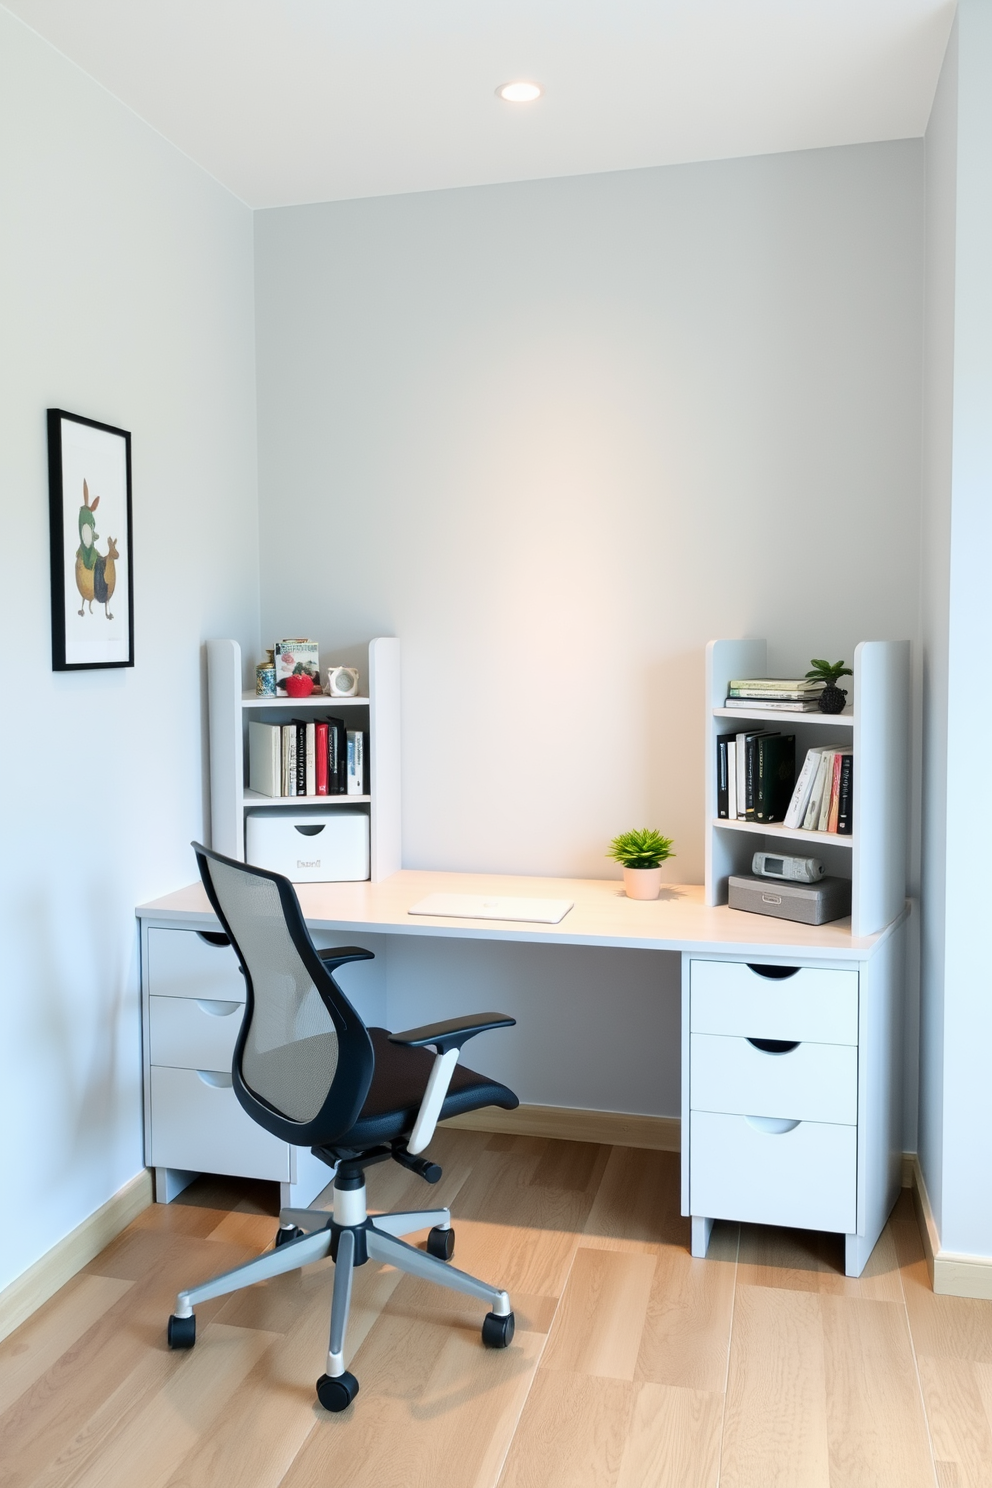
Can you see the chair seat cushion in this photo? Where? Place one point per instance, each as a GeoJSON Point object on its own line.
{"type": "Point", "coordinates": [398, 1085]}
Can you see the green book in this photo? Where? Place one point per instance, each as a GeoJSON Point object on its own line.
{"type": "Point", "coordinates": [774, 775]}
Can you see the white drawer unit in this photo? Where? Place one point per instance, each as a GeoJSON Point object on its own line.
{"type": "Point", "coordinates": [193, 999]}
{"type": "Point", "coordinates": [193, 1032]}
{"type": "Point", "coordinates": [768, 1077]}
{"type": "Point", "coordinates": [768, 1171]}
{"type": "Point", "coordinates": [810, 1004]}
{"type": "Point", "coordinates": [790, 1095]}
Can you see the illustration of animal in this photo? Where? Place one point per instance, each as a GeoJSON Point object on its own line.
{"type": "Point", "coordinates": [96, 573]}
{"type": "Point", "coordinates": [105, 576]}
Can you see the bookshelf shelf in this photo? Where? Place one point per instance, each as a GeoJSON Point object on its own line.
{"type": "Point", "coordinates": [789, 834]}
{"type": "Point", "coordinates": [876, 726]}
{"type": "Point", "coordinates": [231, 708]}
{"type": "Point", "coordinates": [778, 715]}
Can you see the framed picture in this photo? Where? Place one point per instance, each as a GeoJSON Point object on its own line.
{"type": "Point", "coordinates": [89, 482]}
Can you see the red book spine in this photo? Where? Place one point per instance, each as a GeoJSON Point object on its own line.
{"type": "Point", "coordinates": [320, 750]}
{"type": "Point", "coordinates": [835, 794]}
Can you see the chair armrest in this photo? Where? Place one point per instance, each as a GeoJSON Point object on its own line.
{"type": "Point", "coordinates": [447, 1038]}
{"type": "Point", "coordinates": [453, 1032]}
{"type": "Point", "coordinates": [335, 956]}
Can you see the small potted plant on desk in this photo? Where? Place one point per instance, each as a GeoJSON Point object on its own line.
{"type": "Point", "coordinates": [833, 698]}
{"type": "Point", "coordinates": [641, 855]}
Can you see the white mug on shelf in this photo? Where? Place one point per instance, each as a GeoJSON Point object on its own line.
{"type": "Point", "coordinates": [342, 681]}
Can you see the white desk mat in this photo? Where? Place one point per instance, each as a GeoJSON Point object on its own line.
{"type": "Point", "coordinates": [492, 907]}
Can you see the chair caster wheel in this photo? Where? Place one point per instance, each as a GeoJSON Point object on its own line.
{"type": "Point", "coordinates": [497, 1332]}
{"type": "Point", "coordinates": [182, 1332]}
{"type": "Point", "coordinates": [337, 1394]}
{"type": "Point", "coordinates": [441, 1243]}
{"type": "Point", "coordinates": [283, 1237]}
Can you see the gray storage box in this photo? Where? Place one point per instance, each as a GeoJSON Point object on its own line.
{"type": "Point", "coordinates": [810, 904]}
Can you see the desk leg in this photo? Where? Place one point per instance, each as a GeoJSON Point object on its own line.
{"type": "Point", "coordinates": [701, 1231]}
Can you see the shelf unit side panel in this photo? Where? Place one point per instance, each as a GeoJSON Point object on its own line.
{"type": "Point", "coordinates": [226, 748]}
{"type": "Point", "coordinates": [384, 752]}
{"type": "Point", "coordinates": [724, 660]}
{"type": "Point", "coordinates": [881, 783]}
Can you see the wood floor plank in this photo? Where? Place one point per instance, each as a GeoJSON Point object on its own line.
{"type": "Point", "coordinates": [957, 1395]}
{"type": "Point", "coordinates": [942, 1327]}
{"type": "Point", "coordinates": [598, 1326]}
{"type": "Point", "coordinates": [157, 1413]}
{"type": "Point", "coordinates": [31, 1351]}
{"type": "Point", "coordinates": [875, 1422]}
{"type": "Point", "coordinates": [775, 1428]}
{"type": "Point", "coordinates": [808, 1261]}
{"type": "Point", "coordinates": [637, 1203]}
{"type": "Point", "coordinates": [577, 1165]}
{"type": "Point", "coordinates": [673, 1440]}
{"type": "Point", "coordinates": [574, 1430]}
{"type": "Point", "coordinates": [686, 1337]}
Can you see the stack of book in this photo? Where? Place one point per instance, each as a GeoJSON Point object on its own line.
{"type": "Point", "coordinates": [306, 757]}
{"type": "Point", "coordinates": [823, 799]}
{"type": "Point", "coordinates": [781, 694]}
{"type": "Point", "coordinates": [755, 775]}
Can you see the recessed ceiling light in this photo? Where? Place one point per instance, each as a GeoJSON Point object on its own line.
{"type": "Point", "coordinates": [519, 92]}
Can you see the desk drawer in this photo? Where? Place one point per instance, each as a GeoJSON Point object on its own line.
{"type": "Point", "coordinates": [811, 1082]}
{"type": "Point", "coordinates": [193, 1033]}
{"type": "Point", "coordinates": [813, 1005]}
{"type": "Point", "coordinates": [197, 1124]}
{"type": "Point", "coordinates": [181, 964]}
{"type": "Point", "coordinates": [805, 1177]}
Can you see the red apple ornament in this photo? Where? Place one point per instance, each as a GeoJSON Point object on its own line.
{"type": "Point", "coordinates": [300, 685]}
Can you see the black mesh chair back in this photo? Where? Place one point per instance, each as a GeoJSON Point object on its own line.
{"type": "Point", "coordinates": [304, 1061]}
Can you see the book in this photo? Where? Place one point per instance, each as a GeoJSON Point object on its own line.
{"type": "Point", "coordinates": [306, 761]}
{"type": "Point", "coordinates": [265, 758]}
{"type": "Point", "coordinates": [835, 792]}
{"type": "Point", "coordinates": [845, 796]}
{"type": "Point", "coordinates": [732, 778]}
{"type": "Point", "coordinates": [320, 756]}
{"type": "Point", "coordinates": [745, 773]}
{"type": "Point", "coordinates": [294, 658]}
{"type": "Point", "coordinates": [780, 705]}
{"type": "Point", "coordinates": [337, 765]}
{"type": "Point", "coordinates": [774, 775]}
{"type": "Point", "coordinates": [762, 685]}
{"type": "Point", "coordinates": [804, 785]}
{"type": "Point", "coordinates": [812, 814]}
{"type": "Point", "coordinates": [722, 779]}
{"type": "Point", "coordinates": [828, 785]}
{"type": "Point", "coordinates": [289, 759]}
{"type": "Point", "coordinates": [356, 763]}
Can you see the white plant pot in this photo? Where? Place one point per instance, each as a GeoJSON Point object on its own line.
{"type": "Point", "coordinates": [642, 883]}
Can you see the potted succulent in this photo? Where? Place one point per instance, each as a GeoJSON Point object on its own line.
{"type": "Point", "coordinates": [641, 854]}
{"type": "Point", "coordinates": [832, 698]}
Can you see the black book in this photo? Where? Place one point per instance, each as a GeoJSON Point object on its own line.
{"type": "Point", "coordinates": [750, 770]}
{"type": "Point", "coordinates": [337, 757]}
{"type": "Point", "coordinates": [774, 775]}
{"type": "Point", "coordinates": [845, 796]}
{"type": "Point", "coordinates": [722, 776]}
{"type": "Point", "coordinates": [301, 756]}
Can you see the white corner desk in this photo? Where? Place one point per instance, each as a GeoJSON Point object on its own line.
{"type": "Point", "coordinates": [791, 1043]}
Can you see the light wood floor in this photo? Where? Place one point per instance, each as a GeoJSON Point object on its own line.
{"type": "Point", "coordinates": [633, 1366]}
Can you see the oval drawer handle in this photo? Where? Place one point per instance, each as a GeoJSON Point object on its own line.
{"type": "Point", "coordinates": [218, 1079]}
{"type": "Point", "coordinates": [773, 973]}
{"type": "Point", "coordinates": [774, 1046]}
{"type": "Point", "coordinates": [215, 1009]}
{"type": "Point", "coordinates": [773, 1125]}
{"type": "Point", "coordinates": [213, 938]}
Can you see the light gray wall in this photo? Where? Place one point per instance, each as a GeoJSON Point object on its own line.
{"type": "Point", "coordinates": [940, 195]}
{"type": "Point", "coordinates": [125, 295]}
{"type": "Point", "coordinates": [966, 1137]}
{"type": "Point", "coordinates": [556, 436]}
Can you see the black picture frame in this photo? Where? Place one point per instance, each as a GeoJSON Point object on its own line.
{"type": "Point", "coordinates": [89, 466]}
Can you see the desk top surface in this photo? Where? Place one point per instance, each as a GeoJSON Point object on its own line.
{"type": "Point", "coordinates": [602, 916]}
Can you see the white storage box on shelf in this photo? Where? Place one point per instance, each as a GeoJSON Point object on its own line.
{"type": "Point", "coordinates": [310, 847]}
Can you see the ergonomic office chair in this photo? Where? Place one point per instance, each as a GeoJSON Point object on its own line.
{"type": "Point", "coordinates": [308, 1070]}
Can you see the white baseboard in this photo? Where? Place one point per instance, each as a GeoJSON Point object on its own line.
{"type": "Point", "coordinates": [58, 1265]}
{"type": "Point", "coordinates": [951, 1275]}
{"type": "Point", "coordinates": [617, 1128]}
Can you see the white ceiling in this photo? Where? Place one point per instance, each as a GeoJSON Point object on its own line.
{"type": "Point", "coordinates": [314, 100]}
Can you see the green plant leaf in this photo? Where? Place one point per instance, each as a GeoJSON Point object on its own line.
{"type": "Point", "coordinates": [641, 848]}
